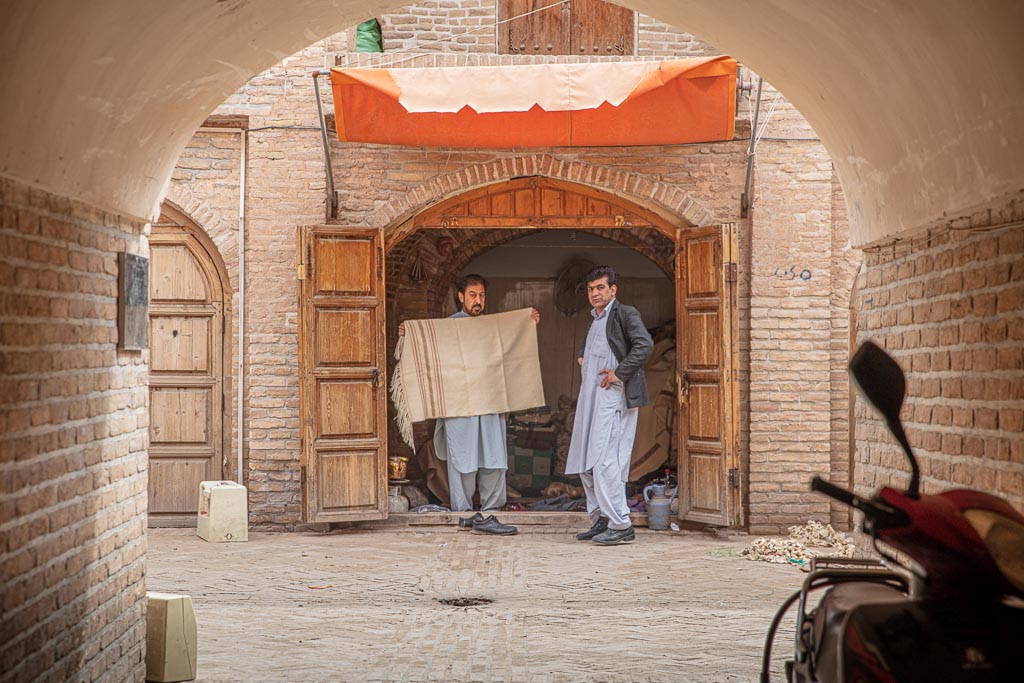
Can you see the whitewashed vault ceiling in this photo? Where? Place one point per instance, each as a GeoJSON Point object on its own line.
{"type": "Point", "coordinates": [918, 103]}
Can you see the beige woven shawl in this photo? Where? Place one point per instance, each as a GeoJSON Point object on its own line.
{"type": "Point", "coordinates": [458, 367]}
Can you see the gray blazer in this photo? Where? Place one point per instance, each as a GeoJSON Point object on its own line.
{"type": "Point", "coordinates": [631, 345]}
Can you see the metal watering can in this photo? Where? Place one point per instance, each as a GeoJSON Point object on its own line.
{"type": "Point", "coordinates": [658, 505]}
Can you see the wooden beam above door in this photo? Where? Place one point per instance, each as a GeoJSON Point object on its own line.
{"type": "Point", "coordinates": [540, 202]}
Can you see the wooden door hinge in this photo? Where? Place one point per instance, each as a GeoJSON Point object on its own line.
{"type": "Point", "coordinates": [734, 478]}
{"type": "Point", "coordinates": [304, 267]}
{"type": "Point", "coordinates": [730, 272]}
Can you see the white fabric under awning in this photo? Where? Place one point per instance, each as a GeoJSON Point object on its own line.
{"type": "Point", "coordinates": [487, 89]}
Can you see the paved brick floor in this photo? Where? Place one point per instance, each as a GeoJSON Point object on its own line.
{"type": "Point", "coordinates": [365, 606]}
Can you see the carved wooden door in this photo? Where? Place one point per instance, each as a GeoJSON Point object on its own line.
{"type": "Point", "coordinates": [342, 394]}
{"type": "Point", "coordinates": [708, 360]}
{"type": "Point", "coordinates": [186, 405]}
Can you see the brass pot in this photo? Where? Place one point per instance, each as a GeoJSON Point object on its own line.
{"type": "Point", "coordinates": [396, 466]}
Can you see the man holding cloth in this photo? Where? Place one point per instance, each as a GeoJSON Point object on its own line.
{"type": "Point", "coordinates": [612, 389]}
{"type": "Point", "coordinates": [474, 447]}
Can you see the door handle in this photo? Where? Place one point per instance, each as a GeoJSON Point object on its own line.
{"type": "Point", "coordinates": [684, 389]}
{"type": "Point", "coordinates": [376, 378]}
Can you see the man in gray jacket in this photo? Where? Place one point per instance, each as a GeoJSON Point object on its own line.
{"type": "Point", "coordinates": [612, 389]}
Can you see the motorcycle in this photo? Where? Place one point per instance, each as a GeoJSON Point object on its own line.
{"type": "Point", "coordinates": [946, 603]}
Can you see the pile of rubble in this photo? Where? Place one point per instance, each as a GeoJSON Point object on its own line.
{"type": "Point", "coordinates": [805, 542]}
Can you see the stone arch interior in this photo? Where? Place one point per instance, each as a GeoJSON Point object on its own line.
{"type": "Point", "coordinates": [523, 266]}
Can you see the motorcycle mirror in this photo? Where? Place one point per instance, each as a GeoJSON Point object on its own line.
{"type": "Point", "coordinates": [882, 382]}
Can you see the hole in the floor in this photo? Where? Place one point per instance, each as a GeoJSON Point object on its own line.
{"type": "Point", "coordinates": [464, 602]}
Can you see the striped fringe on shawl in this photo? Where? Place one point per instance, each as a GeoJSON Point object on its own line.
{"type": "Point", "coordinates": [398, 397]}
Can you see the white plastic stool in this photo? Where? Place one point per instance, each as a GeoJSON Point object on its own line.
{"type": "Point", "coordinates": [223, 512]}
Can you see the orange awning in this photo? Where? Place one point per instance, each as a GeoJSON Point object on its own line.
{"type": "Point", "coordinates": [539, 105]}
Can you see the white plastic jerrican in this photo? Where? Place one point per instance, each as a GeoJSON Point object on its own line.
{"type": "Point", "coordinates": [171, 638]}
{"type": "Point", "coordinates": [223, 512]}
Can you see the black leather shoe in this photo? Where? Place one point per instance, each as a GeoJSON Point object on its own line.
{"type": "Point", "coordinates": [466, 523]}
{"type": "Point", "coordinates": [491, 525]}
{"type": "Point", "coordinates": [600, 526]}
{"type": "Point", "coordinates": [616, 536]}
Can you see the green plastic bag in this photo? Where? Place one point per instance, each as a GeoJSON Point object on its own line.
{"type": "Point", "coordinates": [368, 37]}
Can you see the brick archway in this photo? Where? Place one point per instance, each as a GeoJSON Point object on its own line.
{"type": "Point", "coordinates": [668, 201]}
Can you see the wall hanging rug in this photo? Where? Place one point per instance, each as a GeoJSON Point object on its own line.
{"type": "Point", "coordinates": [590, 104]}
{"type": "Point", "coordinates": [460, 367]}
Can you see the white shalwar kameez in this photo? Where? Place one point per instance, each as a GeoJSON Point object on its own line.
{"type": "Point", "coordinates": [603, 431]}
{"type": "Point", "coordinates": [476, 452]}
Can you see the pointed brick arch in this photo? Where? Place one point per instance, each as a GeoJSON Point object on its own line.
{"type": "Point", "coordinates": [220, 230]}
{"type": "Point", "coordinates": [668, 201]}
{"type": "Point", "coordinates": [443, 237]}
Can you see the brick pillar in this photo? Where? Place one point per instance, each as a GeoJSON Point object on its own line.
{"type": "Point", "coordinates": [74, 423]}
{"type": "Point", "coordinates": [790, 335]}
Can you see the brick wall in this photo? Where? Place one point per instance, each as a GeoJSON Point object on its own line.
{"type": "Point", "coordinates": [74, 434]}
{"type": "Point", "coordinates": [286, 186]}
{"type": "Point", "coordinates": [657, 39]}
{"type": "Point", "coordinates": [949, 306]}
{"type": "Point", "coordinates": [467, 27]}
{"type": "Point", "coordinates": [462, 26]}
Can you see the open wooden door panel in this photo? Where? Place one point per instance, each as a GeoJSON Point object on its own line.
{"type": "Point", "coordinates": [342, 396]}
{"type": "Point", "coordinates": [708, 360]}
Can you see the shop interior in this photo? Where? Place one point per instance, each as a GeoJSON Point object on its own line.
{"type": "Point", "coordinates": [544, 269]}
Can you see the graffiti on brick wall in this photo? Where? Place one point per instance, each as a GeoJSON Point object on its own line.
{"type": "Point", "coordinates": [792, 273]}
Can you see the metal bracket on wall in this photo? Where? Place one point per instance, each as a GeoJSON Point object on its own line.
{"type": "Point", "coordinates": [332, 196]}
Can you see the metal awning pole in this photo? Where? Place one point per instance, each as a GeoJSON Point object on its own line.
{"type": "Point", "coordinates": [332, 197]}
{"type": "Point", "coordinates": [745, 197]}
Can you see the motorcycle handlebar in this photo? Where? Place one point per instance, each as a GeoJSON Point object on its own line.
{"type": "Point", "coordinates": [832, 491]}
{"type": "Point", "coordinates": [876, 514]}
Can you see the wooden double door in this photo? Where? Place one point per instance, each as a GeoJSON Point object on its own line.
{"type": "Point", "coordinates": [343, 391]}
